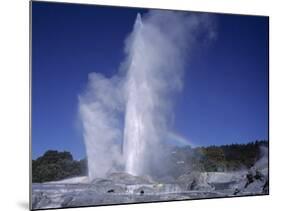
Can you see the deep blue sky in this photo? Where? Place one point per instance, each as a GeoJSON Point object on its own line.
{"type": "Point", "coordinates": [225, 98]}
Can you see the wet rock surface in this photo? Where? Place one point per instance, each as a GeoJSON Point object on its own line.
{"type": "Point", "coordinates": [121, 188]}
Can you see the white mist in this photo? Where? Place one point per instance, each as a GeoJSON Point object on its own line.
{"type": "Point", "coordinates": [126, 117]}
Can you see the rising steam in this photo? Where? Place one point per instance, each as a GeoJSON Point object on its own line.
{"type": "Point", "coordinates": [126, 117]}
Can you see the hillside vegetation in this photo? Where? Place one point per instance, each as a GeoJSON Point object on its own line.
{"type": "Point", "coordinates": [54, 165]}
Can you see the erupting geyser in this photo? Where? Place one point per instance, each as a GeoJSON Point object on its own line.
{"type": "Point", "coordinates": [125, 117]}
{"type": "Point", "coordinates": [139, 119]}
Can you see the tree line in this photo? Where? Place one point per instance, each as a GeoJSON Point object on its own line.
{"type": "Point", "coordinates": [231, 157]}
{"type": "Point", "coordinates": [55, 165]}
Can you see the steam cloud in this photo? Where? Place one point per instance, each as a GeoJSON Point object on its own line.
{"type": "Point", "coordinates": [126, 117]}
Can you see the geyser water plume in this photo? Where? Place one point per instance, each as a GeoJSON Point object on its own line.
{"type": "Point", "coordinates": [133, 109]}
{"type": "Point", "coordinates": [98, 108]}
{"type": "Point", "coordinates": [157, 51]}
{"type": "Point", "coordinates": [145, 115]}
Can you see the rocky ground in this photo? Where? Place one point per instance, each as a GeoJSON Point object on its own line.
{"type": "Point", "coordinates": [121, 188]}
